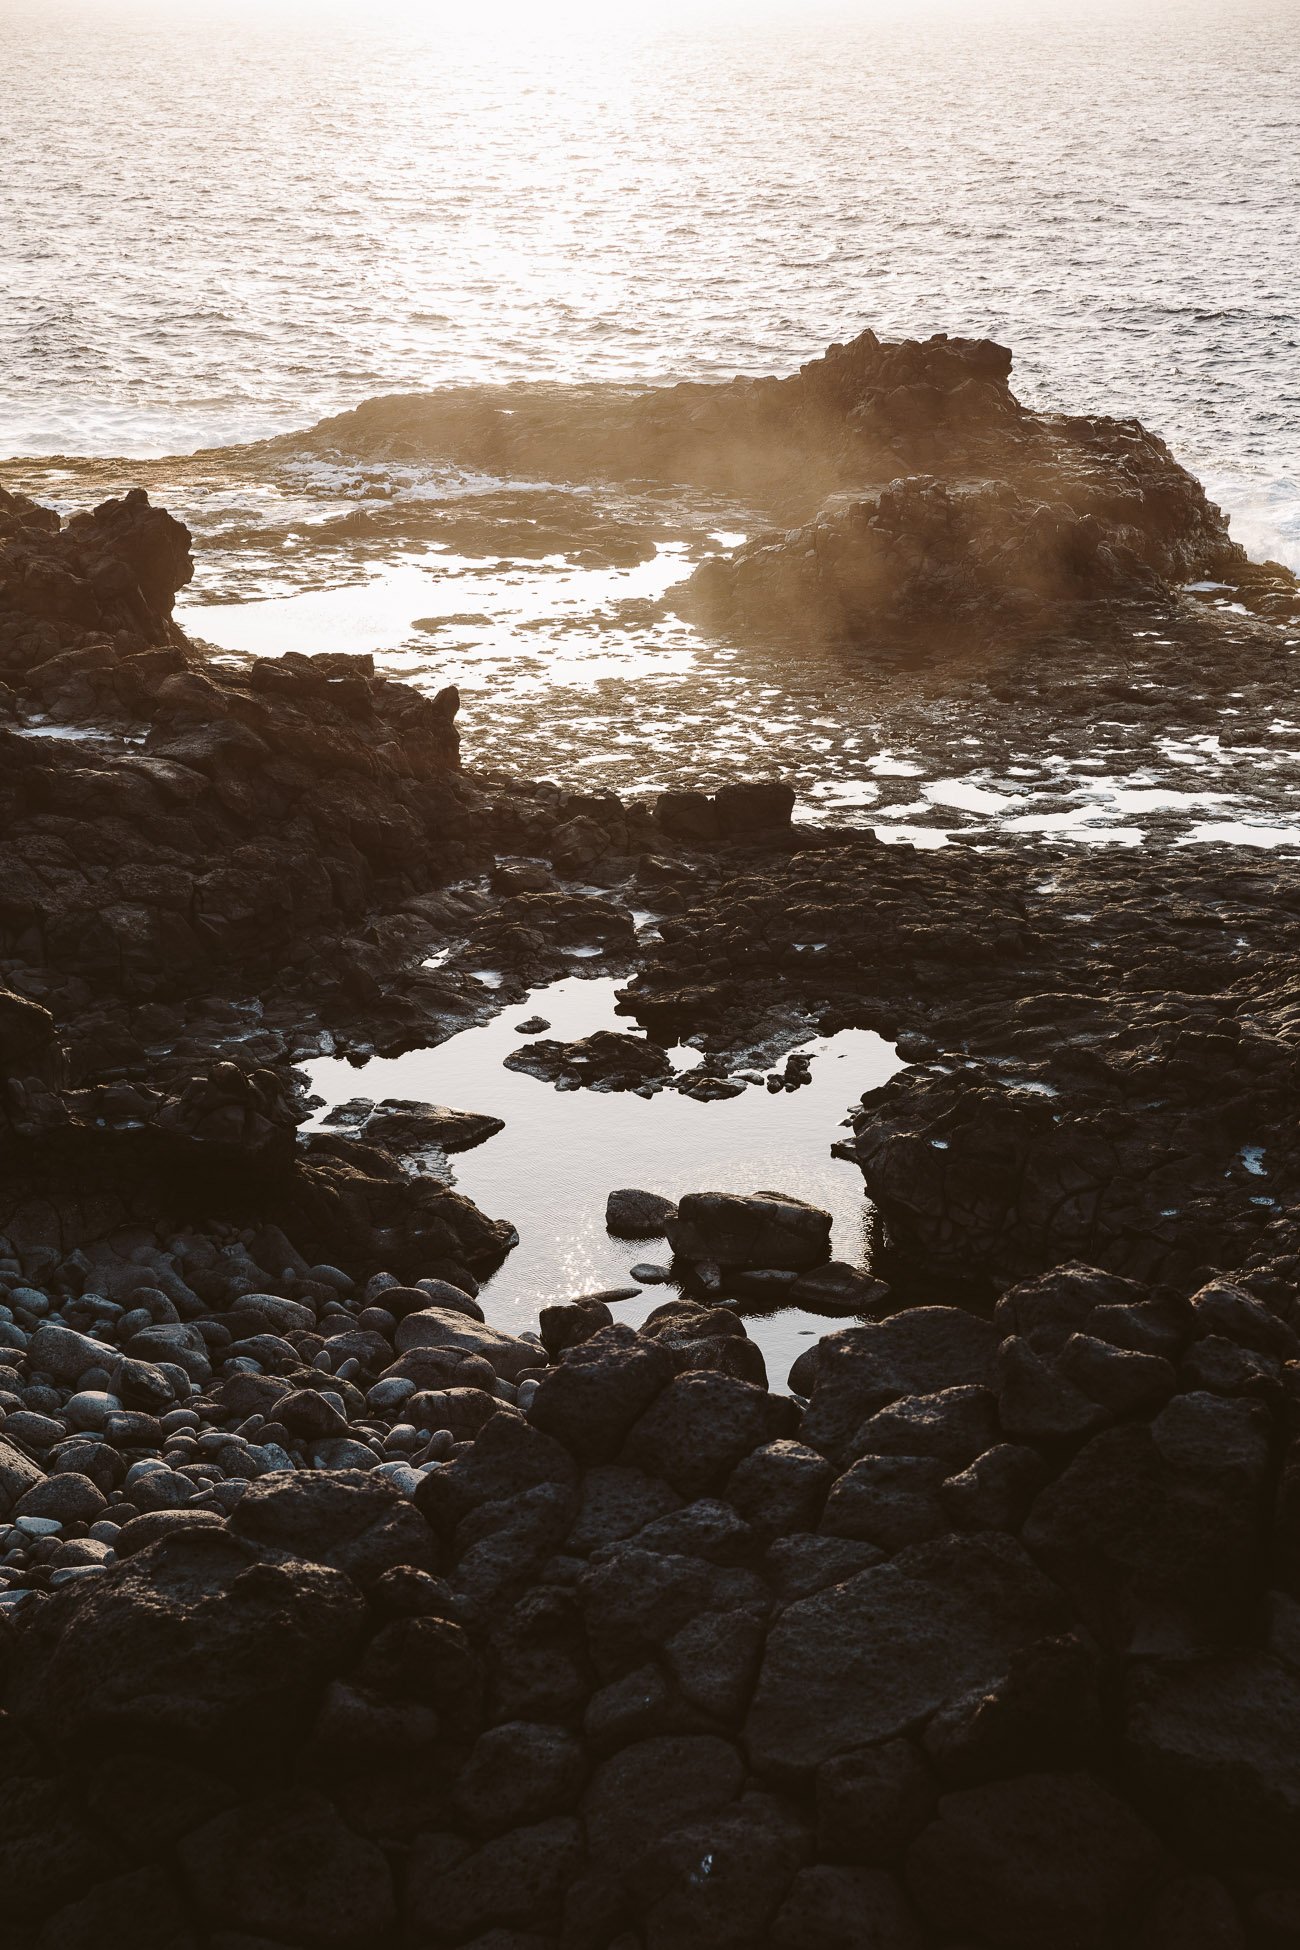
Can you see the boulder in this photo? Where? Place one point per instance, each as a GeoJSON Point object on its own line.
{"type": "Point", "coordinates": [518, 1773]}
{"type": "Point", "coordinates": [631, 1214]}
{"type": "Point", "coordinates": [1216, 1747]}
{"type": "Point", "coordinates": [857, 1371]}
{"type": "Point", "coordinates": [653, 1787]}
{"type": "Point", "coordinates": [507, 1459]}
{"type": "Point", "coordinates": [68, 1496]}
{"type": "Point", "coordinates": [357, 1522]}
{"type": "Point", "coordinates": [872, 1801]}
{"type": "Point", "coordinates": [996, 1491]}
{"type": "Point", "coordinates": [833, 1907]}
{"type": "Point", "coordinates": [291, 1871]}
{"type": "Point", "coordinates": [1043, 1859]}
{"type": "Point", "coordinates": [49, 1852]}
{"type": "Point", "coordinates": [700, 1427]}
{"type": "Point", "coordinates": [890, 1501]}
{"type": "Point", "coordinates": [1155, 1530]}
{"type": "Point", "coordinates": [518, 1877]}
{"type": "Point", "coordinates": [19, 1475]}
{"type": "Point", "coordinates": [596, 1392]}
{"type": "Point", "coordinates": [403, 1125]}
{"type": "Point", "coordinates": [193, 1641]}
{"type": "Point", "coordinates": [566, 1322]}
{"type": "Point", "coordinates": [953, 1426]}
{"type": "Point", "coordinates": [449, 1330]}
{"type": "Point", "coordinates": [761, 1229]}
{"type": "Point", "coordinates": [865, 1660]}
{"type": "Point", "coordinates": [753, 1850]}
{"type": "Point", "coordinates": [780, 1487]}
{"type": "Point", "coordinates": [614, 1503]}
{"type": "Point", "coordinates": [753, 807]}
{"type": "Point", "coordinates": [141, 1908]}
{"type": "Point", "coordinates": [635, 1601]}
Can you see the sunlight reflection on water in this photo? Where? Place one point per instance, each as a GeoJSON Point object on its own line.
{"type": "Point", "coordinates": [561, 1152]}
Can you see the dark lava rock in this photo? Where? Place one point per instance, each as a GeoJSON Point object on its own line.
{"type": "Point", "coordinates": [518, 1773]}
{"type": "Point", "coordinates": [1046, 1858]}
{"type": "Point", "coordinates": [1218, 1744]}
{"type": "Point", "coordinates": [193, 1640]}
{"type": "Point", "coordinates": [295, 1873]}
{"type": "Point", "coordinates": [653, 1787]}
{"type": "Point", "coordinates": [762, 1229]}
{"type": "Point", "coordinates": [850, 1908]}
{"type": "Point", "coordinates": [407, 1126]}
{"type": "Point", "coordinates": [600, 1387]}
{"type": "Point", "coordinates": [605, 1060]}
{"type": "Point", "coordinates": [853, 1373]}
{"type": "Point", "coordinates": [865, 1660]}
{"type": "Point", "coordinates": [699, 1427]}
{"type": "Point", "coordinates": [631, 1214]}
{"type": "Point", "coordinates": [1154, 1529]}
{"type": "Point", "coordinates": [350, 1519]}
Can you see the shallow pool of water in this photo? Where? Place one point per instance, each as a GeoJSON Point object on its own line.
{"type": "Point", "coordinates": [562, 1152]}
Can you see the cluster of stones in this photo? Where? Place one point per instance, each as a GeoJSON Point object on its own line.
{"type": "Point", "coordinates": [175, 1373]}
{"type": "Point", "coordinates": [148, 1376]}
{"type": "Point", "coordinates": [989, 1635]}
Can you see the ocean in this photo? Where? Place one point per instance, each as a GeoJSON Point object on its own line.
{"type": "Point", "coordinates": [226, 221]}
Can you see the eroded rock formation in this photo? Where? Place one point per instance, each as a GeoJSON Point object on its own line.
{"type": "Point", "coordinates": [951, 506]}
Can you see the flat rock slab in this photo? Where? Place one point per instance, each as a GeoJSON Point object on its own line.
{"type": "Point", "coordinates": [868, 1659]}
{"type": "Point", "coordinates": [403, 1125]}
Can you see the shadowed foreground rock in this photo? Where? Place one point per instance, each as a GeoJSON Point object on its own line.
{"type": "Point", "coordinates": [995, 1642]}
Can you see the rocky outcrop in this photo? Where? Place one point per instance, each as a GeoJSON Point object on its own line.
{"type": "Point", "coordinates": [789, 440]}
{"type": "Point", "coordinates": [115, 569]}
{"type": "Point", "coordinates": [249, 806]}
{"type": "Point", "coordinates": [588, 1638]}
{"type": "Point", "coordinates": [924, 553]}
{"type": "Point", "coordinates": [927, 501]}
{"type": "Point", "coordinates": [759, 1229]}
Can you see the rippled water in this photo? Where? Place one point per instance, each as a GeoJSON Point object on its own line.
{"type": "Point", "coordinates": [231, 218]}
{"type": "Point", "coordinates": [227, 221]}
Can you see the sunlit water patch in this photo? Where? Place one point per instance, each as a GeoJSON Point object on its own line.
{"type": "Point", "coordinates": [562, 1152]}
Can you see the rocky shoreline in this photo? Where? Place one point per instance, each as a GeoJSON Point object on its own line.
{"type": "Point", "coordinates": [331, 1613]}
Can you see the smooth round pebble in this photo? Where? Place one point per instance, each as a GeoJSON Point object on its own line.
{"type": "Point", "coordinates": [91, 1408]}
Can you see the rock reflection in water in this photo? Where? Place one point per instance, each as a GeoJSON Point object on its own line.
{"type": "Point", "coordinates": [561, 1152]}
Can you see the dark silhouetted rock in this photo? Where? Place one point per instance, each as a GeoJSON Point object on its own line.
{"type": "Point", "coordinates": [864, 1660]}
